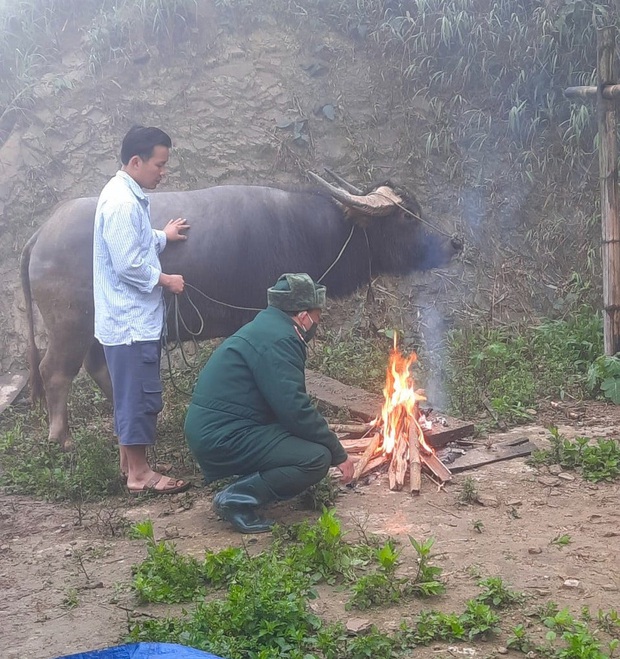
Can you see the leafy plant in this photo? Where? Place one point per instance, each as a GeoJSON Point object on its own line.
{"type": "Point", "coordinates": [497, 595]}
{"type": "Point", "coordinates": [469, 491]}
{"type": "Point", "coordinates": [166, 575]}
{"type": "Point", "coordinates": [597, 461]}
{"type": "Point", "coordinates": [561, 540]}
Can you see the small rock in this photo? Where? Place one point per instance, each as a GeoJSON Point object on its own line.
{"type": "Point", "coordinates": [549, 481]}
{"type": "Point", "coordinates": [555, 470]}
{"type": "Point", "coordinates": [502, 650]}
{"type": "Point", "coordinates": [571, 583]}
{"type": "Point", "coordinates": [566, 477]}
{"type": "Point", "coordinates": [534, 550]}
{"type": "Point", "coordinates": [4, 548]}
{"type": "Point", "coordinates": [611, 534]}
{"type": "Point", "coordinates": [171, 532]}
{"type": "Point", "coordinates": [68, 553]}
{"type": "Point", "coordinates": [92, 585]}
{"type": "Point", "coordinates": [358, 625]}
{"type": "Point", "coordinates": [514, 503]}
{"type": "Point", "coordinates": [487, 501]}
{"type": "Point", "coordinates": [610, 587]}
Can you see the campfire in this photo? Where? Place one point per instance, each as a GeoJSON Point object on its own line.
{"type": "Point", "coordinates": [397, 436]}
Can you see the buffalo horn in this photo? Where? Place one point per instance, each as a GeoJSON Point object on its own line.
{"type": "Point", "coordinates": [379, 202]}
{"type": "Point", "coordinates": [345, 184]}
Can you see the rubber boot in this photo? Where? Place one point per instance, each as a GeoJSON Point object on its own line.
{"type": "Point", "coordinates": [238, 502]}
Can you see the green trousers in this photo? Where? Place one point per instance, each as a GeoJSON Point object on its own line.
{"type": "Point", "coordinates": [289, 465]}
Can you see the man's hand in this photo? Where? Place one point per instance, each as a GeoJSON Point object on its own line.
{"type": "Point", "coordinates": [173, 283]}
{"type": "Point", "coordinates": [346, 468]}
{"type": "Point", "coordinates": [174, 229]}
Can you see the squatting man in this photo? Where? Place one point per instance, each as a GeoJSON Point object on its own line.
{"type": "Point", "coordinates": [250, 414]}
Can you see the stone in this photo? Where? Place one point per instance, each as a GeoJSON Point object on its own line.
{"type": "Point", "coordinates": [487, 501]}
{"type": "Point", "coordinates": [534, 550]}
{"type": "Point", "coordinates": [549, 481]}
{"type": "Point", "coordinates": [566, 477]}
{"type": "Point", "coordinates": [502, 650]}
{"type": "Point", "coordinates": [358, 625]}
{"type": "Point", "coordinates": [571, 583]}
{"type": "Point", "coordinates": [555, 470]}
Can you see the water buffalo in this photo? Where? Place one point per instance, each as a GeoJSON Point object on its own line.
{"type": "Point", "coordinates": [241, 239]}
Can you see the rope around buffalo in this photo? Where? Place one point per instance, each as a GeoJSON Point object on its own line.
{"type": "Point", "coordinates": [179, 320]}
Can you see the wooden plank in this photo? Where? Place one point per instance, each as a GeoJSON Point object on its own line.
{"type": "Point", "coordinates": [496, 453]}
{"type": "Point", "coordinates": [367, 406]}
{"type": "Point", "coordinates": [435, 465]}
{"type": "Point", "coordinates": [11, 384]}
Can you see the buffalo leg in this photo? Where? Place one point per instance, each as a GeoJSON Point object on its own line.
{"type": "Point", "coordinates": [58, 368]}
{"type": "Point", "coordinates": [96, 367]}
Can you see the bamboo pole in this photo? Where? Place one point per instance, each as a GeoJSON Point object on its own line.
{"type": "Point", "coordinates": [608, 173]}
{"type": "Point", "coordinates": [415, 466]}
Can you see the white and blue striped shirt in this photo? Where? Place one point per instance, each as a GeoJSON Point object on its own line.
{"type": "Point", "coordinates": [129, 303]}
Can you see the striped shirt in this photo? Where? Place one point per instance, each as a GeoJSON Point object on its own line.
{"type": "Point", "coordinates": [129, 303]}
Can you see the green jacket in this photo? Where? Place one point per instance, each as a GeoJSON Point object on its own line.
{"type": "Point", "coordinates": [256, 378]}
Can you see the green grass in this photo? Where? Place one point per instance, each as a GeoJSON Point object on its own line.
{"type": "Point", "coordinates": [515, 367]}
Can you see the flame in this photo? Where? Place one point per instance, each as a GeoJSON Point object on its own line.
{"type": "Point", "coordinates": [400, 408]}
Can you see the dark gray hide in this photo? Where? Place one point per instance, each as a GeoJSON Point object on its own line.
{"type": "Point", "coordinates": [241, 239]}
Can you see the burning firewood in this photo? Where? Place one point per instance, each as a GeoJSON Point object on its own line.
{"type": "Point", "coordinates": [371, 449]}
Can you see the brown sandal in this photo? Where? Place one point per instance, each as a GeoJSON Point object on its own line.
{"type": "Point", "coordinates": [174, 486]}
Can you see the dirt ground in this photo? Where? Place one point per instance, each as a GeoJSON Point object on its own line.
{"type": "Point", "coordinates": [48, 563]}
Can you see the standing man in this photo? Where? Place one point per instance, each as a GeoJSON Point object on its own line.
{"type": "Point", "coordinates": [250, 413]}
{"type": "Point", "coordinates": [129, 307]}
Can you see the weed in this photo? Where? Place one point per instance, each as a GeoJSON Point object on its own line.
{"type": "Point", "coordinates": [322, 495]}
{"type": "Point", "coordinates": [561, 540]}
{"type": "Point", "coordinates": [165, 575]}
{"type": "Point", "coordinates": [597, 461]}
{"type": "Point", "coordinates": [497, 595]}
{"type": "Point", "coordinates": [519, 640]}
{"type": "Point", "coordinates": [71, 599]}
{"type": "Point", "coordinates": [32, 466]}
{"type": "Point", "coordinates": [469, 491]}
{"type": "Point", "coordinates": [478, 525]}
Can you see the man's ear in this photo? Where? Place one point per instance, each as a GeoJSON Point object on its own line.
{"type": "Point", "coordinates": [134, 161]}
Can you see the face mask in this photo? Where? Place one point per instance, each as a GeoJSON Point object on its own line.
{"type": "Point", "coordinates": [309, 333]}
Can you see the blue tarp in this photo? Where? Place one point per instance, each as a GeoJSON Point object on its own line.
{"type": "Point", "coordinates": [144, 651]}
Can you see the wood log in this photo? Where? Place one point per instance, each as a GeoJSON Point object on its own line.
{"type": "Point", "coordinates": [350, 428]}
{"type": "Point", "coordinates": [399, 463]}
{"type": "Point", "coordinates": [355, 445]}
{"type": "Point", "coordinates": [374, 464]}
{"type": "Point", "coordinates": [415, 466]}
{"type": "Point", "coordinates": [373, 445]}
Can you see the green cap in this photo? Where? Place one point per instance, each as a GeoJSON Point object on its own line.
{"type": "Point", "coordinates": [296, 292]}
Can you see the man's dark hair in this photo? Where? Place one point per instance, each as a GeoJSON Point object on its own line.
{"type": "Point", "coordinates": [140, 141]}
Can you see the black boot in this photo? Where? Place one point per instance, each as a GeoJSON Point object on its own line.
{"type": "Point", "coordinates": [238, 502]}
